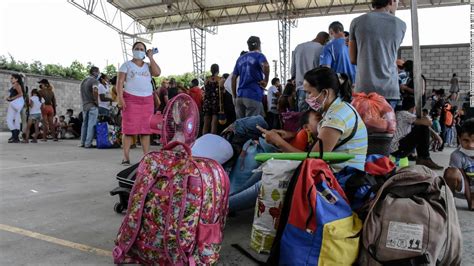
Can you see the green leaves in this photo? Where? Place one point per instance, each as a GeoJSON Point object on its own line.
{"type": "Point", "coordinates": [76, 70]}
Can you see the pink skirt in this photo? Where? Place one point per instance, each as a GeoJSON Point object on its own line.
{"type": "Point", "coordinates": [136, 114]}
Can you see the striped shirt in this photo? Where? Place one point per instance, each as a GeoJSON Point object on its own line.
{"type": "Point", "coordinates": [341, 117]}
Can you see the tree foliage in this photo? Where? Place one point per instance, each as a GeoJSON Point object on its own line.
{"type": "Point", "coordinates": [76, 70]}
{"type": "Point", "coordinates": [110, 71]}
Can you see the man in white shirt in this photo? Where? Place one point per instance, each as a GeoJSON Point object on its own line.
{"type": "Point", "coordinates": [304, 58]}
{"type": "Point", "coordinates": [273, 94]}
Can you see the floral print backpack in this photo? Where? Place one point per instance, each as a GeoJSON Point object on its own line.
{"type": "Point", "coordinates": [177, 210]}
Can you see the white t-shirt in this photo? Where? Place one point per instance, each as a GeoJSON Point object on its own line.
{"type": "Point", "coordinates": [272, 100]}
{"type": "Point", "coordinates": [228, 84]}
{"type": "Point", "coordinates": [36, 108]}
{"type": "Point", "coordinates": [104, 90]}
{"type": "Point", "coordinates": [138, 81]}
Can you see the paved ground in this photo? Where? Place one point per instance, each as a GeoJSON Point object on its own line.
{"type": "Point", "coordinates": [62, 192]}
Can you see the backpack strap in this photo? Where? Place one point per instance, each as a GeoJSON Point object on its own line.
{"type": "Point", "coordinates": [423, 259]}
{"type": "Point", "coordinates": [123, 246]}
{"type": "Point", "coordinates": [447, 244]}
{"type": "Point", "coordinates": [353, 132]}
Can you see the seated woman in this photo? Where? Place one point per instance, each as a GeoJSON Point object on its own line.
{"type": "Point", "coordinates": [246, 195]}
{"type": "Point", "coordinates": [341, 129]}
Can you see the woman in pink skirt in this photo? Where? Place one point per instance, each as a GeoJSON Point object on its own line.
{"type": "Point", "coordinates": [135, 96]}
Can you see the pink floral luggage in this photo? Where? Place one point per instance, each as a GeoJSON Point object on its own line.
{"type": "Point", "coordinates": [177, 210]}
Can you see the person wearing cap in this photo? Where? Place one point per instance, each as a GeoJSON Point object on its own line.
{"type": "Point", "coordinates": [48, 109]}
{"type": "Point", "coordinates": [253, 71]}
{"type": "Point", "coordinates": [373, 45]}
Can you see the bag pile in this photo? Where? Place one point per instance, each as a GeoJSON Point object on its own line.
{"type": "Point", "coordinates": [275, 179]}
{"type": "Point", "coordinates": [376, 112]}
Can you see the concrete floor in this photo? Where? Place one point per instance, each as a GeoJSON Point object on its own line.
{"type": "Point", "coordinates": [62, 191]}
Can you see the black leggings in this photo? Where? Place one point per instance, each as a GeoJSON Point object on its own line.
{"type": "Point", "coordinates": [418, 138]}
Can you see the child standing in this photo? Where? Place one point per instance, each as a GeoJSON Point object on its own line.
{"type": "Point", "coordinates": [35, 104]}
{"type": "Point", "coordinates": [435, 143]}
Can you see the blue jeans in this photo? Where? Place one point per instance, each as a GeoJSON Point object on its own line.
{"type": "Point", "coordinates": [87, 130]}
{"type": "Point", "coordinates": [449, 138]}
{"type": "Point", "coordinates": [301, 100]}
{"type": "Point", "coordinates": [247, 127]}
{"type": "Point", "coordinates": [246, 197]}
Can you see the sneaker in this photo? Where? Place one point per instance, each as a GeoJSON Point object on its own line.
{"type": "Point", "coordinates": [80, 145]}
{"type": "Point", "coordinates": [125, 162]}
{"type": "Point", "coordinates": [429, 163]}
{"type": "Point", "coordinates": [90, 146]}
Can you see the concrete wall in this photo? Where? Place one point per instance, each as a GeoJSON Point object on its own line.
{"type": "Point", "coordinates": [67, 93]}
{"type": "Point", "coordinates": [439, 62]}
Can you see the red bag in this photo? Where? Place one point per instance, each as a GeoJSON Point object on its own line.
{"type": "Point", "coordinates": [375, 111]}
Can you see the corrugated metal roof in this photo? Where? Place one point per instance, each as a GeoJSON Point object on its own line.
{"type": "Point", "coordinates": [167, 15]}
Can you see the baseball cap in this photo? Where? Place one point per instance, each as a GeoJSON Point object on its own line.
{"type": "Point", "coordinates": [43, 81]}
{"type": "Point", "coordinates": [253, 41]}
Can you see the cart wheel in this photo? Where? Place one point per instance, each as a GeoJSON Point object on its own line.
{"type": "Point", "coordinates": [118, 208]}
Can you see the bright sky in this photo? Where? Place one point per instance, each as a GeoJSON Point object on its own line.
{"type": "Point", "coordinates": [54, 31]}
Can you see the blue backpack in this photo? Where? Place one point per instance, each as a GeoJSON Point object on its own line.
{"type": "Point", "coordinates": [244, 165]}
{"type": "Point", "coordinates": [102, 133]}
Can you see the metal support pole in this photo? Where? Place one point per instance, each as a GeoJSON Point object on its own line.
{"type": "Point", "coordinates": [127, 43]}
{"type": "Point", "coordinates": [198, 48]}
{"type": "Point", "coordinates": [275, 68]}
{"type": "Point", "coordinates": [284, 29]}
{"type": "Point", "coordinates": [471, 86]}
{"type": "Point", "coordinates": [418, 82]}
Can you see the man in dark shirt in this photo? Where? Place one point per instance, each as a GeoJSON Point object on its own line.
{"type": "Point", "coordinates": [90, 109]}
{"type": "Point", "coordinates": [163, 94]}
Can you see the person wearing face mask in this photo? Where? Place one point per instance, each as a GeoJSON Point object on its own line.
{"type": "Point", "coordinates": [341, 129]}
{"type": "Point", "coordinates": [135, 96]}
{"type": "Point", "coordinates": [105, 101]}
{"type": "Point", "coordinates": [336, 54]}
{"type": "Point", "coordinates": [412, 133]}
{"type": "Point", "coordinates": [373, 45]}
{"type": "Point", "coordinates": [90, 109]}
{"type": "Point", "coordinates": [16, 102]}
{"type": "Point", "coordinates": [460, 174]}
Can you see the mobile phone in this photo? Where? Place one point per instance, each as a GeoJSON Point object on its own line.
{"type": "Point", "coordinates": [155, 50]}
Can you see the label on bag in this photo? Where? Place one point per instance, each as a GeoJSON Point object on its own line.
{"type": "Point", "coordinates": [405, 236]}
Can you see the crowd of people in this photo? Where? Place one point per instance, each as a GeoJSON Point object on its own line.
{"type": "Point", "coordinates": [313, 106]}
{"type": "Point", "coordinates": [32, 115]}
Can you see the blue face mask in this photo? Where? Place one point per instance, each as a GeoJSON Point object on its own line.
{"type": "Point", "coordinates": [138, 54]}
